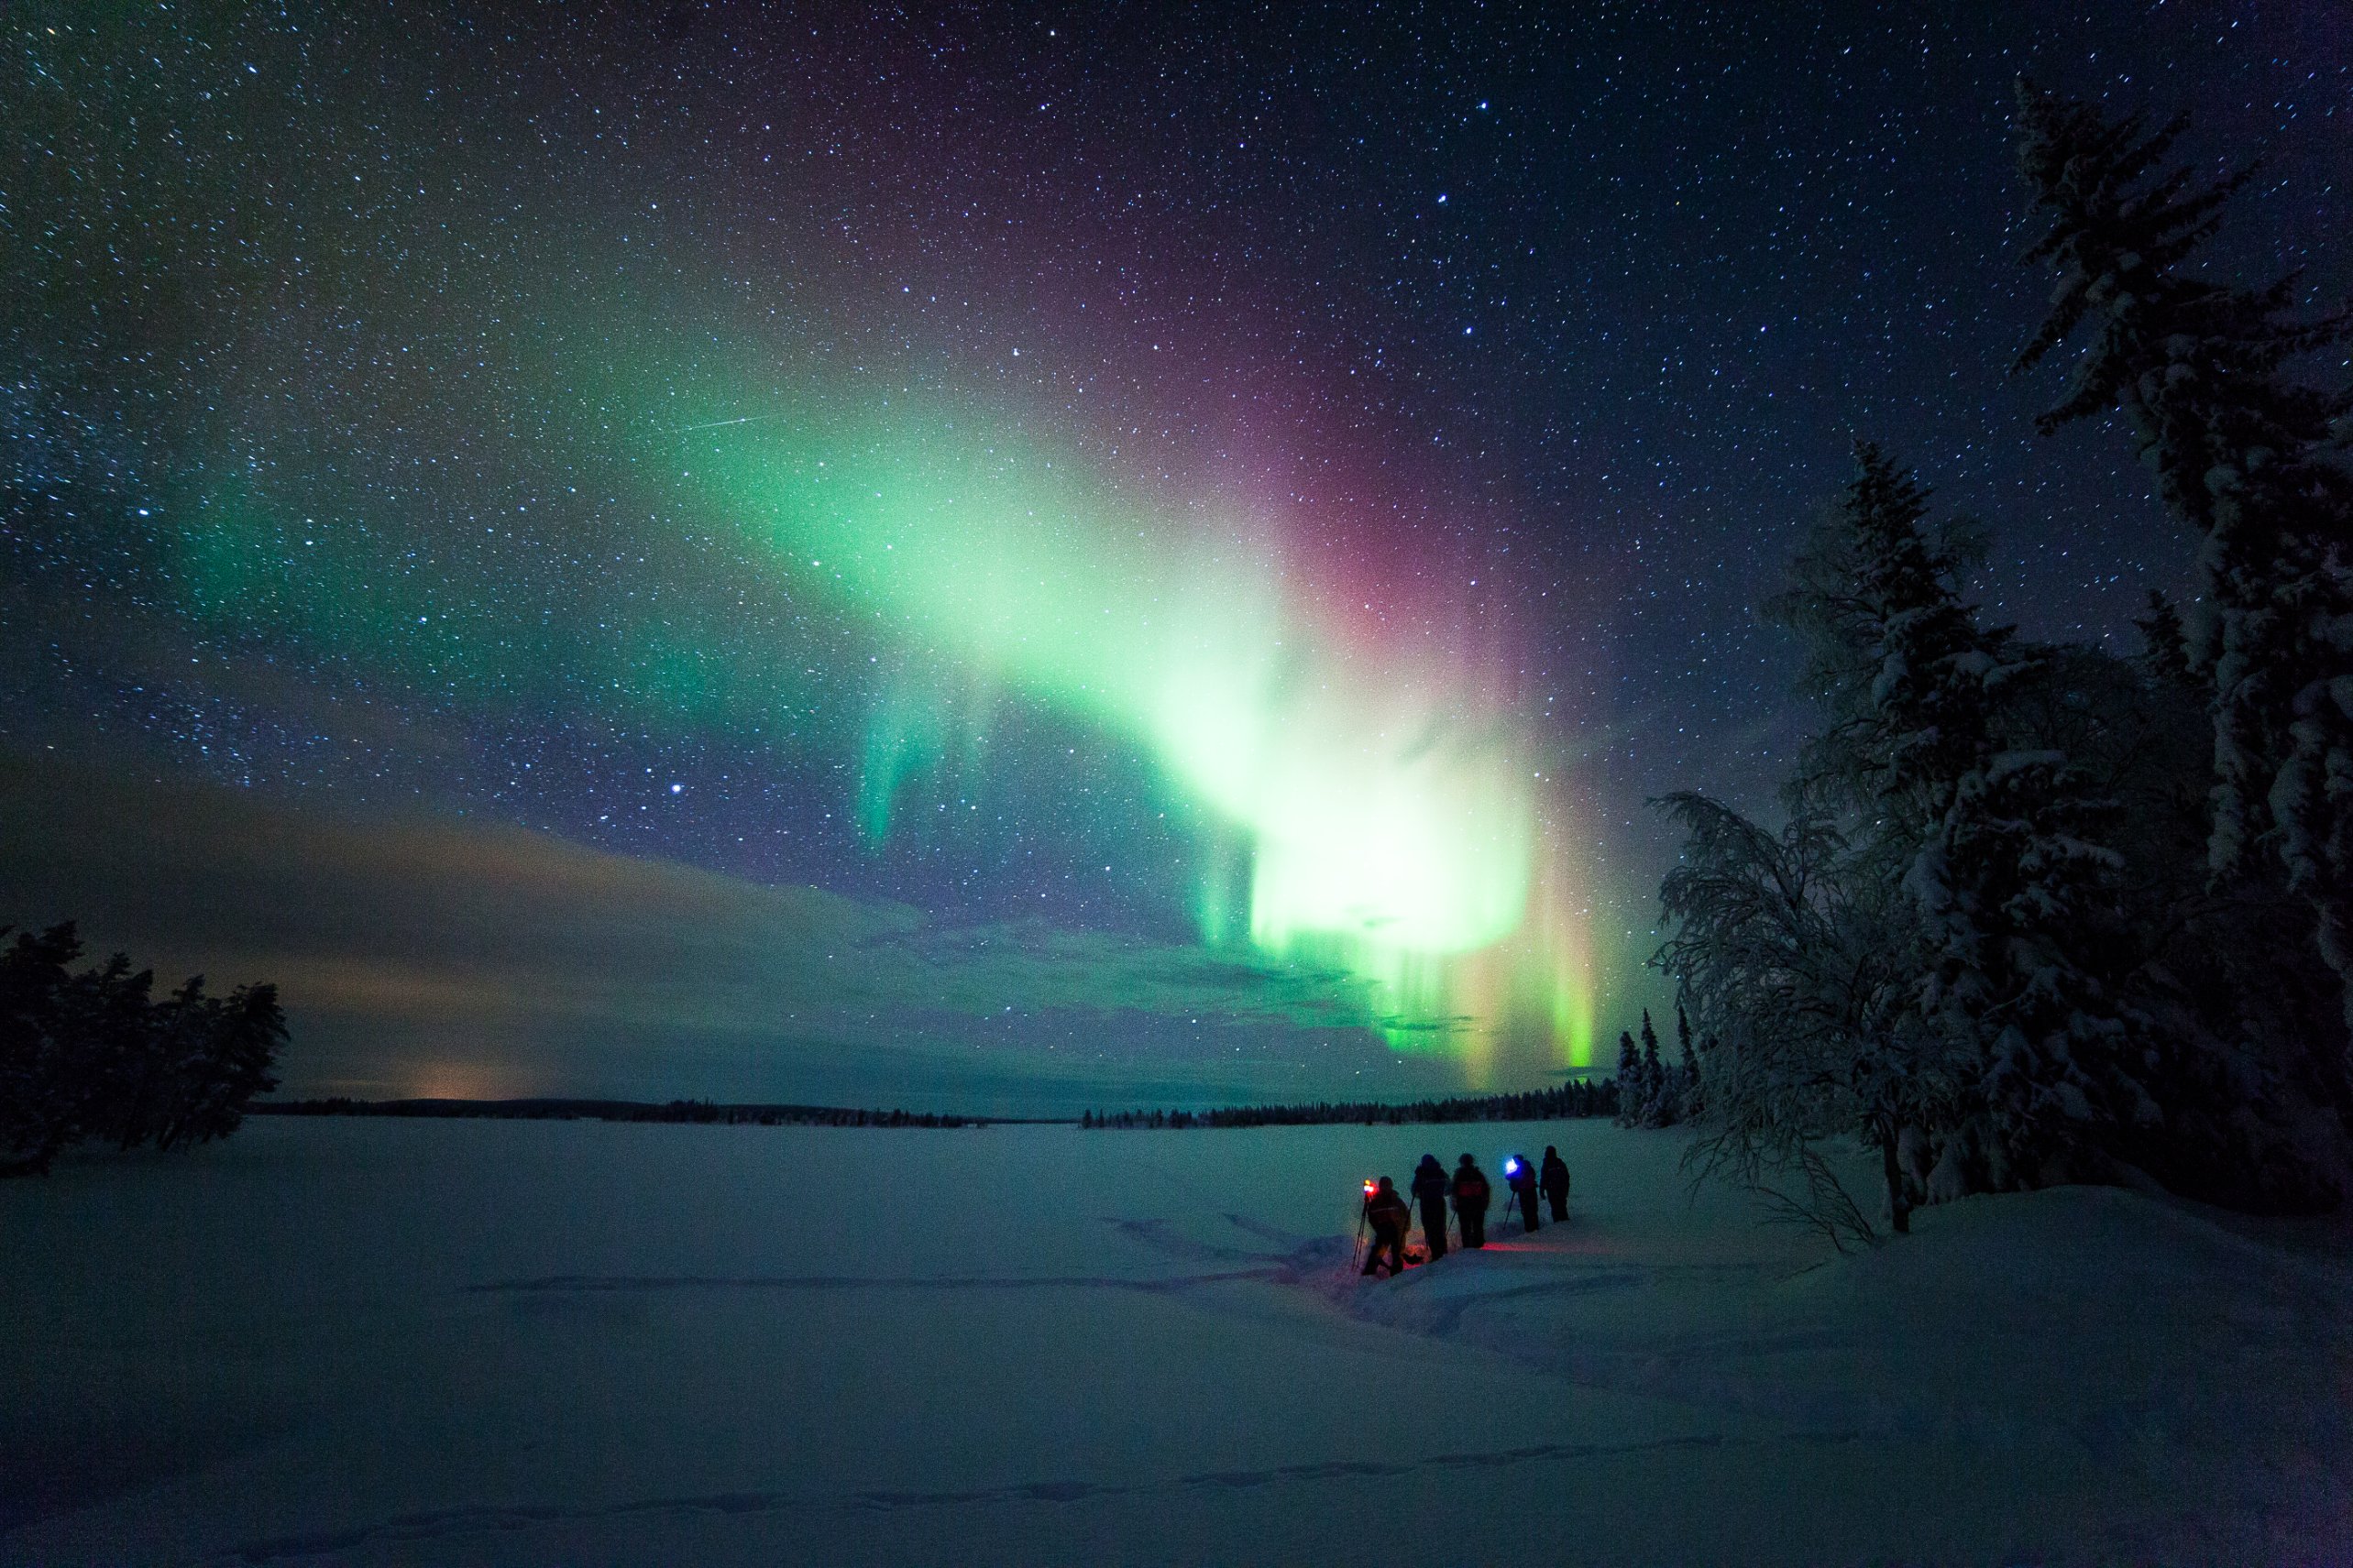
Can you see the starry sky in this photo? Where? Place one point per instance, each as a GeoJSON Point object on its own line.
{"type": "Point", "coordinates": [1003, 557]}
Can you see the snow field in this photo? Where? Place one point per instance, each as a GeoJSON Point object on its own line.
{"type": "Point", "coordinates": [374, 1342]}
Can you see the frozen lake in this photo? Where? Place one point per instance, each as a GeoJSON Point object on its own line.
{"type": "Point", "coordinates": [358, 1342]}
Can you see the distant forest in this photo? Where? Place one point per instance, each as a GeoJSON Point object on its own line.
{"type": "Point", "coordinates": [1598, 1098]}
{"type": "Point", "coordinates": [1579, 1097]}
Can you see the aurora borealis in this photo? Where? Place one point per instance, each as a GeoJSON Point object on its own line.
{"type": "Point", "coordinates": [1186, 542]}
{"type": "Point", "coordinates": [1367, 802]}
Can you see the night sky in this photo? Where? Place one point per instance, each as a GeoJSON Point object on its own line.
{"type": "Point", "coordinates": [1004, 556]}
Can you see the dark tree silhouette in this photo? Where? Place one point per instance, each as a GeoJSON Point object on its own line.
{"type": "Point", "coordinates": [92, 1055]}
{"type": "Point", "coordinates": [2166, 651]}
{"type": "Point", "coordinates": [1662, 1090]}
{"type": "Point", "coordinates": [1631, 1093]}
{"type": "Point", "coordinates": [1688, 1067]}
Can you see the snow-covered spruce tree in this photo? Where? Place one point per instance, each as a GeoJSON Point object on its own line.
{"type": "Point", "coordinates": [2165, 642]}
{"type": "Point", "coordinates": [2252, 458]}
{"type": "Point", "coordinates": [1629, 1081]}
{"type": "Point", "coordinates": [1662, 1090]}
{"type": "Point", "coordinates": [2011, 899]}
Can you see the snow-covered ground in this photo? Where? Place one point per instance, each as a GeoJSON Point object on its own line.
{"type": "Point", "coordinates": [459, 1342]}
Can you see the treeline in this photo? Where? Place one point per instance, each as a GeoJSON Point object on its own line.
{"type": "Point", "coordinates": [2039, 913]}
{"type": "Point", "coordinates": [94, 1054]}
{"type": "Point", "coordinates": [1579, 1097]}
{"type": "Point", "coordinates": [701, 1112]}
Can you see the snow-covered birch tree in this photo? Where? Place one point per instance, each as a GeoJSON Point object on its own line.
{"type": "Point", "coordinates": [1789, 966]}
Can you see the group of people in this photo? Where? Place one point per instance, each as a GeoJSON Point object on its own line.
{"type": "Point", "coordinates": [1387, 1215]}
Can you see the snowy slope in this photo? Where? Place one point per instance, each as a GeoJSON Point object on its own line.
{"type": "Point", "coordinates": [388, 1342]}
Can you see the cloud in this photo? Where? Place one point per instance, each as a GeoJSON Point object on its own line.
{"type": "Point", "coordinates": [427, 954]}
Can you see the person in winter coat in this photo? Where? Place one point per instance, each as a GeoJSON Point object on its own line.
{"type": "Point", "coordinates": [1522, 1177]}
{"type": "Point", "coordinates": [1471, 1193]}
{"type": "Point", "coordinates": [1430, 1192]}
{"type": "Point", "coordinates": [1553, 1178]}
{"type": "Point", "coordinates": [1388, 1216]}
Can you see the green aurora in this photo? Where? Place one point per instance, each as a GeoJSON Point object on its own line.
{"type": "Point", "coordinates": [1383, 812]}
{"type": "Point", "coordinates": [1364, 802]}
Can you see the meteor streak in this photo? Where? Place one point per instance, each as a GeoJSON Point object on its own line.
{"type": "Point", "coordinates": [722, 423]}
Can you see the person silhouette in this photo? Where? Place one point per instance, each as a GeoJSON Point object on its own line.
{"type": "Point", "coordinates": [1387, 1215]}
{"type": "Point", "coordinates": [1522, 1177]}
{"type": "Point", "coordinates": [1430, 1192]}
{"type": "Point", "coordinates": [1471, 1193]}
{"type": "Point", "coordinates": [1552, 1176]}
